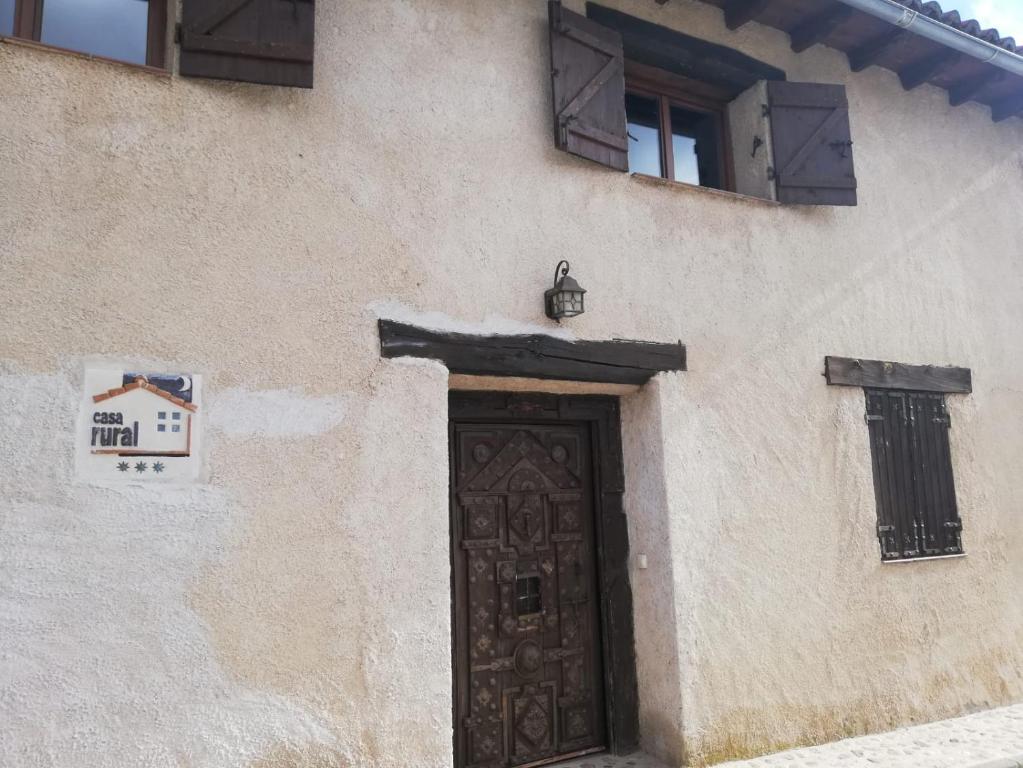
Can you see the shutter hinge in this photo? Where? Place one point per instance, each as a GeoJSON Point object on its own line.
{"type": "Point", "coordinates": [765, 110]}
{"type": "Point", "coordinates": [869, 417]}
{"type": "Point", "coordinates": [942, 420]}
{"type": "Point", "coordinates": [885, 528]}
{"type": "Point", "coordinates": [177, 33]}
{"type": "Point", "coordinates": [956, 524]}
{"type": "Point", "coordinates": [772, 175]}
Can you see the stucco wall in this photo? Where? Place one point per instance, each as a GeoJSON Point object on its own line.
{"type": "Point", "coordinates": [294, 610]}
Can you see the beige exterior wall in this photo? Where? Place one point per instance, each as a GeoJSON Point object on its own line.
{"type": "Point", "coordinates": [294, 609]}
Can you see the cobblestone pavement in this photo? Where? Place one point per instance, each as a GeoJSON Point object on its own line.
{"type": "Point", "coordinates": [965, 742]}
{"type": "Point", "coordinates": [992, 739]}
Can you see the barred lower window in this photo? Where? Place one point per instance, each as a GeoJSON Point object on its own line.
{"type": "Point", "coordinates": [917, 515]}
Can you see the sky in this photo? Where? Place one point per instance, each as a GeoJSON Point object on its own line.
{"type": "Point", "coordinates": [1005, 15]}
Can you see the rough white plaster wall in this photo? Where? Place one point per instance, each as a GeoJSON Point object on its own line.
{"type": "Point", "coordinates": [102, 661]}
{"type": "Point", "coordinates": [157, 626]}
{"type": "Point", "coordinates": [656, 600]}
{"type": "Point", "coordinates": [274, 414]}
{"type": "Point", "coordinates": [249, 232]}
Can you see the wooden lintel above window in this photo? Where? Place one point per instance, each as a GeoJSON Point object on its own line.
{"type": "Point", "coordinates": [853, 372]}
{"type": "Point", "coordinates": [534, 356]}
{"type": "Point", "coordinates": [679, 87]}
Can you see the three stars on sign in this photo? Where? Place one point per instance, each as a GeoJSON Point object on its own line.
{"type": "Point", "coordinates": [141, 467]}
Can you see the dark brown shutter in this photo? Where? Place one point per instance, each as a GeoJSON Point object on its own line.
{"type": "Point", "coordinates": [914, 487]}
{"type": "Point", "coordinates": [252, 41]}
{"type": "Point", "coordinates": [891, 451]}
{"type": "Point", "coordinates": [813, 153]}
{"type": "Point", "coordinates": [936, 499]}
{"type": "Point", "coordinates": [588, 72]}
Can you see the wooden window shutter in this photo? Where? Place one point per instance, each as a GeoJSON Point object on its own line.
{"type": "Point", "coordinates": [888, 421]}
{"type": "Point", "coordinates": [588, 74]}
{"type": "Point", "coordinates": [917, 515]}
{"type": "Point", "coordinates": [251, 41]}
{"type": "Point", "coordinates": [813, 152]}
{"type": "Point", "coordinates": [937, 511]}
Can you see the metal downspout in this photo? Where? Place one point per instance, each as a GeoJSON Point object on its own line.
{"type": "Point", "coordinates": [925, 26]}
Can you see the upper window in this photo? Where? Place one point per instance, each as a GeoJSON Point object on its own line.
{"type": "Point", "coordinates": [673, 132]}
{"type": "Point", "coordinates": [6, 17]}
{"type": "Point", "coordinates": [635, 96]}
{"type": "Point", "coordinates": [124, 30]}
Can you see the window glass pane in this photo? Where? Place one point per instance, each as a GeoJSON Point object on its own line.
{"type": "Point", "coordinates": [116, 29]}
{"type": "Point", "coordinates": [644, 135]}
{"type": "Point", "coordinates": [684, 150]}
{"type": "Point", "coordinates": [695, 143]}
{"type": "Point", "coordinates": [6, 17]}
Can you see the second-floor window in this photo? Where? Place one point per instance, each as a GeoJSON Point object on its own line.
{"type": "Point", "coordinates": [125, 30]}
{"type": "Point", "coordinates": [674, 132]}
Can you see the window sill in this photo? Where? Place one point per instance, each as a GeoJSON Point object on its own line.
{"type": "Point", "coordinates": [735, 196]}
{"type": "Point", "coordinates": [35, 44]}
{"type": "Point", "coordinates": [923, 559]}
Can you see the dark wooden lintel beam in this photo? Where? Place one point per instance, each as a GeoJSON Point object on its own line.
{"type": "Point", "coordinates": [818, 28]}
{"type": "Point", "coordinates": [967, 90]}
{"type": "Point", "coordinates": [871, 51]}
{"type": "Point", "coordinates": [919, 72]}
{"type": "Point", "coordinates": [1006, 108]}
{"type": "Point", "coordinates": [739, 12]}
{"type": "Point", "coordinates": [852, 372]}
{"type": "Point", "coordinates": [534, 356]}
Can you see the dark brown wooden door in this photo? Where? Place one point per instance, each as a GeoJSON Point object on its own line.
{"type": "Point", "coordinates": [529, 685]}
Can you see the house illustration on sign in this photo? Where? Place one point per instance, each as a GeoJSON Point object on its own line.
{"type": "Point", "coordinates": [143, 419]}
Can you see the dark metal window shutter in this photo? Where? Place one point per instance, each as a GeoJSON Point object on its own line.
{"type": "Point", "coordinates": [914, 487]}
{"type": "Point", "coordinates": [253, 41]}
{"type": "Point", "coordinates": [588, 76]}
{"type": "Point", "coordinates": [938, 513]}
{"type": "Point", "coordinates": [813, 148]}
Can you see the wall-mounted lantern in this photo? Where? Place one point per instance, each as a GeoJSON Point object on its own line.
{"type": "Point", "coordinates": [565, 299]}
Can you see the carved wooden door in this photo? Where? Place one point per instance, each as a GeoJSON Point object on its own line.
{"type": "Point", "coordinates": [529, 682]}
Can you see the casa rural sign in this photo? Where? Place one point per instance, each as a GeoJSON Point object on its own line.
{"type": "Point", "coordinates": [140, 426]}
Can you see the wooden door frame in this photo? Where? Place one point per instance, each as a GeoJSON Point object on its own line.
{"type": "Point", "coordinates": [602, 415]}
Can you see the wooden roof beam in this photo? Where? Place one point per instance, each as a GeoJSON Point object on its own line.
{"type": "Point", "coordinates": [818, 28]}
{"type": "Point", "coordinates": [968, 90]}
{"type": "Point", "coordinates": [919, 72]}
{"type": "Point", "coordinates": [873, 50]}
{"type": "Point", "coordinates": [739, 12]}
{"type": "Point", "coordinates": [1006, 108]}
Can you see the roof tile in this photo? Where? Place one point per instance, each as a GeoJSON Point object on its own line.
{"type": "Point", "coordinates": [954, 19]}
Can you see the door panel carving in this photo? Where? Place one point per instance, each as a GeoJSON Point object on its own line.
{"type": "Point", "coordinates": [529, 681]}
